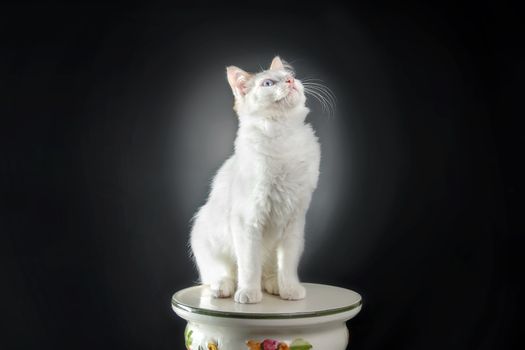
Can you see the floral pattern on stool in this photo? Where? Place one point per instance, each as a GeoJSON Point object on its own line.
{"type": "Point", "coordinates": [187, 337]}
{"type": "Point", "coordinates": [188, 340]}
{"type": "Point", "coordinates": [212, 346]}
{"type": "Point", "coordinates": [272, 344]}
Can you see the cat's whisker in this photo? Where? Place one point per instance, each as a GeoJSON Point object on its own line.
{"type": "Point", "coordinates": [325, 103]}
{"type": "Point", "coordinates": [314, 84]}
{"type": "Point", "coordinates": [329, 105]}
{"type": "Point", "coordinates": [331, 99]}
{"type": "Point", "coordinates": [316, 95]}
{"type": "Point", "coordinates": [321, 93]}
{"type": "Point", "coordinates": [321, 87]}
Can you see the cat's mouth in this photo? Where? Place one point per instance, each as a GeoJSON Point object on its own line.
{"type": "Point", "coordinates": [292, 92]}
{"type": "Point", "coordinates": [290, 99]}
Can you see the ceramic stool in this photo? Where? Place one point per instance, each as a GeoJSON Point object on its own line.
{"type": "Point", "coordinates": [316, 322]}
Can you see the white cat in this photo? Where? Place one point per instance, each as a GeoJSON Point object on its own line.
{"type": "Point", "coordinates": [250, 233]}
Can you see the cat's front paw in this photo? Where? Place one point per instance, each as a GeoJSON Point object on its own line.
{"type": "Point", "coordinates": [271, 285]}
{"type": "Point", "coordinates": [293, 291]}
{"type": "Point", "coordinates": [248, 295]}
{"type": "Point", "coordinates": [223, 288]}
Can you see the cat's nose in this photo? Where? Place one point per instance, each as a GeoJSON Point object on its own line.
{"type": "Point", "coordinates": [290, 80]}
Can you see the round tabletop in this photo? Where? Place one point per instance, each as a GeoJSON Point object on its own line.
{"type": "Point", "coordinates": [321, 300]}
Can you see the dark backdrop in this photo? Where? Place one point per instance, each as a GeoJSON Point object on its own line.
{"type": "Point", "coordinates": [99, 148]}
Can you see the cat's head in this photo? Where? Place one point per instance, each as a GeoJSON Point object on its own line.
{"type": "Point", "coordinates": [272, 93]}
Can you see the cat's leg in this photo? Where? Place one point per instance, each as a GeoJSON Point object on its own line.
{"type": "Point", "coordinates": [289, 253]}
{"type": "Point", "coordinates": [247, 241]}
{"type": "Point", "coordinates": [223, 285]}
{"type": "Point", "coordinates": [216, 270]}
{"type": "Point", "coordinates": [269, 275]}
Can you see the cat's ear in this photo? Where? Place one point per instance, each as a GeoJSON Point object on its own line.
{"type": "Point", "coordinates": [277, 63]}
{"type": "Point", "coordinates": [237, 79]}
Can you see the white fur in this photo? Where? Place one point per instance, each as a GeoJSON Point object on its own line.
{"type": "Point", "coordinates": [250, 233]}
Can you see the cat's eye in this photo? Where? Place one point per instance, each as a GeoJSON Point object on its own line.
{"type": "Point", "coordinates": [268, 82]}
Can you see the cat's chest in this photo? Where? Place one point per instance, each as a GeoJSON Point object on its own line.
{"type": "Point", "coordinates": [285, 173]}
{"type": "Point", "coordinates": [279, 167]}
{"type": "Point", "coordinates": [281, 182]}
{"type": "Point", "coordinates": [279, 173]}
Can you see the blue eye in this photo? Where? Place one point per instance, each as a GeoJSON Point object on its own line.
{"type": "Point", "coordinates": [268, 82]}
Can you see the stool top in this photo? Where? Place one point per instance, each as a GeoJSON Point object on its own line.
{"type": "Point", "coordinates": [321, 300]}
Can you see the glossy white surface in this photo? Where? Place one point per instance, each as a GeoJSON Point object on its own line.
{"type": "Point", "coordinates": [320, 300]}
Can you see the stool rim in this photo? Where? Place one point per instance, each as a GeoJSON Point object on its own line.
{"type": "Point", "coordinates": [263, 316]}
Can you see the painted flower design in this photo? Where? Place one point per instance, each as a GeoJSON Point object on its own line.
{"type": "Point", "coordinates": [187, 338]}
{"type": "Point", "coordinates": [272, 344]}
{"type": "Point", "coordinates": [209, 346]}
{"type": "Point", "coordinates": [188, 341]}
{"type": "Point", "coordinates": [253, 345]}
{"type": "Point", "coordinates": [212, 346]}
{"type": "Point", "coordinates": [300, 344]}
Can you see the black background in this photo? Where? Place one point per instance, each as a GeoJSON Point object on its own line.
{"type": "Point", "coordinates": [93, 239]}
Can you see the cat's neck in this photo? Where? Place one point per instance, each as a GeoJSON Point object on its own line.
{"type": "Point", "coordinates": [271, 126]}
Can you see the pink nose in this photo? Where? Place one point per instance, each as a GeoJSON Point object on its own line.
{"type": "Point", "coordinates": [290, 80]}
